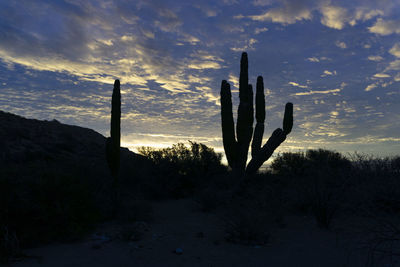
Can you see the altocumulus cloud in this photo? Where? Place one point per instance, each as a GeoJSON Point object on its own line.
{"type": "Point", "coordinates": [60, 57]}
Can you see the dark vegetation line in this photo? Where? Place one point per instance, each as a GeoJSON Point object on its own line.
{"type": "Point", "coordinates": [57, 183]}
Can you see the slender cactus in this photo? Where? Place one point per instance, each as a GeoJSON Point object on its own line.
{"type": "Point", "coordinates": [114, 142]}
{"type": "Point", "coordinates": [236, 149]}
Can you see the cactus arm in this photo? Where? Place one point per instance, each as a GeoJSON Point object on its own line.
{"type": "Point", "coordinates": [277, 137]}
{"type": "Point", "coordinates": [260, 118]}
{"type": "Point", "coordinates": [228, 128]}
{"type": "Point", "coordinates": [243, 77]}
{"type": "Point", "coordinates": [244, 127]}
{"type": "Point", "coordinates": [288, 118]}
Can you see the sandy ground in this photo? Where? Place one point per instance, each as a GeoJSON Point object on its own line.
{"type": "Point", "coordinates": [178, 223]}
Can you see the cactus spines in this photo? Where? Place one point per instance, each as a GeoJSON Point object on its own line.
{"type": "Point", "coordinates": [236, 149]}
{"type": "Point", "coordinates": [114, 142]}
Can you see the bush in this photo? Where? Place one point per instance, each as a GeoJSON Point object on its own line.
{"type": "Point", "coordinates": [54, 207]}
{"type": "Point", "coordinates": [290, 164]}
{"type": "Point", "coordinates": [183, 169]}
{"type": "Point", "coordinates": [317, 181]}
{"type": "Point", "coordinates": [303, 164]}
{"type": "Point", "coordinates": [246, 224]}
{"type": "Point", "coordinates": [378, 183]}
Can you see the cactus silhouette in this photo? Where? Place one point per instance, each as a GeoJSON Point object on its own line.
{"type": "Point", "coordinates": [237, 148]}
{"type": "Point", "coordinates": [113, 142]}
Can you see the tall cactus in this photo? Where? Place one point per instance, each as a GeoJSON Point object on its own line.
{"type": "Point", "coordinates": [114, 142]}
{"type": "Point", "coordinates": [236, 149]}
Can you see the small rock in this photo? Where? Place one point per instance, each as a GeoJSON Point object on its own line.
{"type": "Point", "coordinates": [178, 251]}
{"type": "Point", "coordinates": [100, 237]}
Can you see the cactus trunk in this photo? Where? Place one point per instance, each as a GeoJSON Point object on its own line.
{"type": "Point", "coordinates": [236, 149]}
{"type": "Point", "coordinates": [113, 143]}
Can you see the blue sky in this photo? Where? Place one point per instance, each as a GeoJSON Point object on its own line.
{"type": "Point", "coordinates": [337, 61]}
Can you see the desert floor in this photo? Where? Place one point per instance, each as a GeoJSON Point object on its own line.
{"type": "Point", "coordinates": [179, 224]}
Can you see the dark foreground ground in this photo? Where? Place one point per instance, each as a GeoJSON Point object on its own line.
{"type": "Point", "coordinates": [178, 224]}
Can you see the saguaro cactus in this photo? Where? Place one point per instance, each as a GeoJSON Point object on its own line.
{"type": "Point", "coordinates": [114, 142]}
{"type": "Point", "coordinates": [237, 148]}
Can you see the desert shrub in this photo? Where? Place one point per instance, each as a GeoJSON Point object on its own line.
{"type": "Point", "coordinates": [183, 169]}
{"type": "Point", "coordinates": [381, 238]}
{"type": "Point", "coordinates": [212, 197]}
{"type": "Point", "coordinates": [300, 163]}
{"type": "Point", "coordinates": [133, 209]}
{"type": "Point", "coordinates": [55, 206]}
{"type": "Point", "coordinates": [290, 164]}
{"type": "Point", "coordinates": [253, 211]}
{"type": "Point", "coordinates": [317, 181]}
{"type": "Point", "coordinates": [395, 164]}
{"type": "Point", "coordinates": [378, 183]}
{"type": "Point", "coordinates": [246, 223]}
{"type": "Point", "coordinates": [9, 244]}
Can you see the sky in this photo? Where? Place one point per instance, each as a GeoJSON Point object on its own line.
{"type": "Point", "coordinates": [338, 62]}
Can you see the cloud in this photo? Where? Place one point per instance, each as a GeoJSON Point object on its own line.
{"type": "Point", "coordinates": [395, 50]}
{"type": "Point", "coordinates": [313, 59]}
{"type": "Point", "coordinates": [381, 75]}
{"type": "Point", "coordinates": [247, 46]}
{"type": "Point", "coordinates": [189, 39]}
{"type": "Point", "coordinates": [260, 30]}
{"type": "Point", "coordinates": [334, 17]}
{"type": "Point", "coordinates": [199, 65]}
{"type": "Point", "coordinates": [375, 58]}
{"type": "Point", "coordinates": [385, 27]}
{"type": "Point", "coordinates": [337, 17]}
{"type": "Point", "coordinates": [234, 80]}
{"type": "Point", "coordinates": [209, 11]}
{"type": "Point", "coordinates": [290, 12]}
{"type": "Point", "coordinates": [328, 73]}
{"type": "Point", "coordinates": [297, 85]}
{"type": "Point", "coordinates": [169, 21]}
{"type": "Point", "coordinates": [91, 42]}
{"type": "Point", "coordinates": [394, 65]}
{"type": "Point", "coordinates": [332, 91]}
{"type": "Point", "coordinates": [365, 14]}
{"type": "Point", "coordinates": [370, 87]}
{"type": "Point", "coordinates": [341, 45]}
{"type": "Point", "coordinates": [319, 92]}
{"type": "Point", "coordinates": [262, 2]}
{"type": "Point", "coordinates": [316, 59]}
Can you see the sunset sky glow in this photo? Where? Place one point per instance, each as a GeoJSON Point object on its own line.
{"type": "Point", "coordinates": [338, 62]}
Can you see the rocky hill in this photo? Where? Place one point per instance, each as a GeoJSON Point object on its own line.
{"type": "Point", "coordinates": [54, 180]}
{"type": "Point", "coordinates": [30, 143]}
